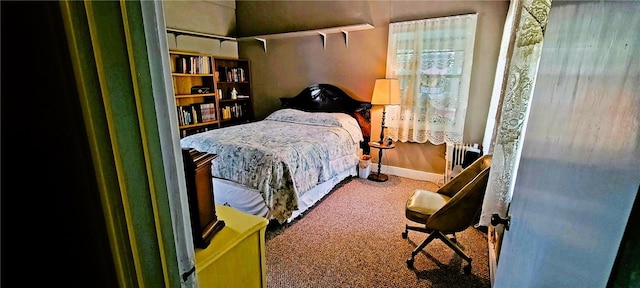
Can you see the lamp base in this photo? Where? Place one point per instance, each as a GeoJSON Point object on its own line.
{"type": "Point", "coordinates": [378, 177]}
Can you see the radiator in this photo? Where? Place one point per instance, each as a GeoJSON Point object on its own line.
{"type": "Point", "coordinates": [455, 158]}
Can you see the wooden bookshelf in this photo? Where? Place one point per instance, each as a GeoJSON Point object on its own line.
{"type": "Point", "coordinates": [205, 99]}
{"type": "Point", "coordinates": [233, 75]}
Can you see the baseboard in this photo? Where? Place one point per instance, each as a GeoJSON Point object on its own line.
{"type": "Point", "coordinates": [409, 173]}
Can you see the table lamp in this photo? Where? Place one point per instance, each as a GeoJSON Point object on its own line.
{"type": "Point", "coordinates": [385, 92]}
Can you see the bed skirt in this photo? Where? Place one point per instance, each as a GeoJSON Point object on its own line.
{"type": "Point", "coordinates": [250, 201]}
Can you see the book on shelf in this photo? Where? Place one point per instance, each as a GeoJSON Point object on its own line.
{"type": "Point", "coordinates": [231, 74]}
{"type": "Point", "coordinates": [184, 115]}
{"type": "Point", "coordinates": [193, 64]}
{"type": "Point", "coordinates": [224, 74]}
{"type": "Point", "coordinates": [209, 110]}
{"type": "Point", "coordinates": [196, 113]}
{"type": "Point", "coordinates": [232, 112]}
{"type": "Point", "coordinates": [234, 73]}
{"type": "Point", "coordinates": [241, 77]}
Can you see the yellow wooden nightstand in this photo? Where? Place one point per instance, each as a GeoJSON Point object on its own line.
{"type": "Point", "coordinates": [236, 255]}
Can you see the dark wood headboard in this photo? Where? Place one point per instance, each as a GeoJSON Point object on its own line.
{"type": "Point", "coordinates": [329, 98]}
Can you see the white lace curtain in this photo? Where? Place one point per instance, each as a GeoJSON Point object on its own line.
{"type": "Point", "coordinates": [432, 60]}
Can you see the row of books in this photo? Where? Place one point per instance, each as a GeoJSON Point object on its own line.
{"type": "Point", "coordinates": [196, 113]}
{"type": "Point", "coordinates": [194, 64]}
{"type": "Point", "coordinates": [231, 112]}
{"type": "Point", "coordinates": [229, 74]}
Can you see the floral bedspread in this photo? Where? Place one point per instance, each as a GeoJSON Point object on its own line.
{"type": "Point", "coordinates": [284, 155]}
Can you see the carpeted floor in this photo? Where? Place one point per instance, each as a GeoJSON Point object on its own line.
{"type": "Point", "coordinates": [352, 238]}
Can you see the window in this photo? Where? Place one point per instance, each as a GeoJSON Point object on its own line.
{"type": "Point", "coordinates": [432, 60]}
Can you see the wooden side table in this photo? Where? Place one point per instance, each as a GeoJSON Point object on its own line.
{"type": "Point", "coordinates": [379, 177]}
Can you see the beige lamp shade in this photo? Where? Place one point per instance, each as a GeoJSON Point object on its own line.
{"type": "Point", "coordinates": [386, 92]}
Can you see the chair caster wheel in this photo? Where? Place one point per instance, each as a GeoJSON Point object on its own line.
{"type": "Point", "coordinates": [410, 263]}
{"type": "Point", "coordinates": [405, 234]}
{"type": "Point", "coordinates": [467, 269]}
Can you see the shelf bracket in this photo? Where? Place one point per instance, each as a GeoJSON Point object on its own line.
{"type": "Point", "coordinates": [346, 37]}
{"type": "Point", "coordinates": [264, 43]}
{"type": "Point", "coordinates": [175, 36]}
{"type": "Point", "coordinates": [324, 40]}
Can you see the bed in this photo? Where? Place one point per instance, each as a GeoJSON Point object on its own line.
{"type": "Point", "coordinates": [279, 167]}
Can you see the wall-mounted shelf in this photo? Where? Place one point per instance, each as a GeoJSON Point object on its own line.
{"type": "Point", "coordinates": [322, 32]}
{"type": "Point", "coordinates": [263, 38]}
{"type": "Point", "coordinates": [178, 32]}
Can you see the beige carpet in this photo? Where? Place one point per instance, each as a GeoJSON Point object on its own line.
{"type": "Point", "coordinates": [352, 238]}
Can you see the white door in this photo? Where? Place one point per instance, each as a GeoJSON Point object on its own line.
{"type": "Point", "coordinates": [580, 166]}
